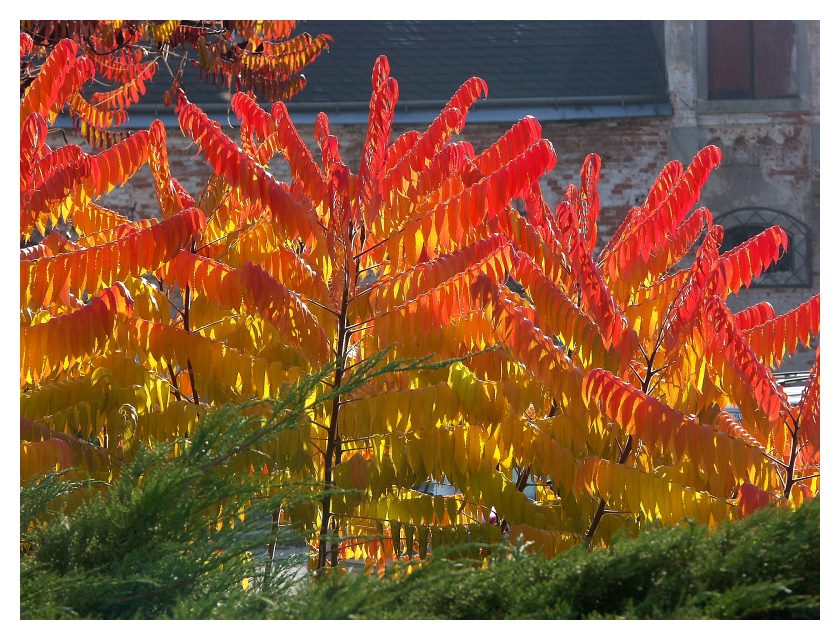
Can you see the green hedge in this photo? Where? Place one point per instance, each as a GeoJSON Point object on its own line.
{"type": "Point", "coordinates": [766, 566]}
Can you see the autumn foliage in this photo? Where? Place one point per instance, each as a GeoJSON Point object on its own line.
{"type": "Point", "coordinates": [260, 56]}
{"type": "Point", "coordinates": [601, 374]}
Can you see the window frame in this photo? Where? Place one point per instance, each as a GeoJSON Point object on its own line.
{"type": "Point", "coordinates": [799, 103]}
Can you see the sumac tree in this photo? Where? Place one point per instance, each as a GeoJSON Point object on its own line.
{"type": "Point", "coordinates": [602, 376]}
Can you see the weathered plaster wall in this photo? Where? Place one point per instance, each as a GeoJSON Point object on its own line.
{"type": "Point", "coordinates": [770, 158]}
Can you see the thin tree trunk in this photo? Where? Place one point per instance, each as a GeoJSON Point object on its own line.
{"type": "Point", "coordinates": [625, 453]}
{"type": "Point", "coordinates": [334, 547]}
{"type": "Point", "coordinates": [187, 304]}
{"type": "Point", "coordinates": [332, 433]}
{"type": "Point", "coordinates": [791, 465]}
{"type": "Point", "coordinates": [187, 300]}
{"type": "Point", "coordinates": [602, 505]}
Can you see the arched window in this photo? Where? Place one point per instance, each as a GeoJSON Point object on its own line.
{"type": "Point", "coordinates": [794, 267]}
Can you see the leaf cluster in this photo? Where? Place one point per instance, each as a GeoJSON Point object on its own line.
{"type": "Point", "coordinates": [258, 56]}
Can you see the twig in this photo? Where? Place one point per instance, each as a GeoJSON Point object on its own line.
{"type": "Point", "coordinates": [210, 324]}
{"type": "Point", "coordinates": [175, 389]}
{"type": "Point", "coordinates": [325, 308]}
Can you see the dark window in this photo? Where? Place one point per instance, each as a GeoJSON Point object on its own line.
{"type": "Point", "coordinates": [751, 59]}
{"type": "Point", "coordinates": [740, 234]}
{"type": "Point", "coordinates": [794, 266]}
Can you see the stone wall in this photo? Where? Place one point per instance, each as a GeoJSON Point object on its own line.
{"type": "Point", "coordinates": [770, 156]}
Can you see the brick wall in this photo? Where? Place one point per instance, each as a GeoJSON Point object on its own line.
{"type": "Point", "coordinates": [632, 151]}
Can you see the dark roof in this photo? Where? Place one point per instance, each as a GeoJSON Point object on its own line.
{"type": "Point", "coordinates": [555, 70]}
{"type": "Point", "coordinates": [518, 59]}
